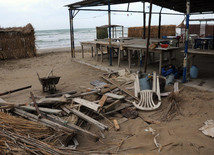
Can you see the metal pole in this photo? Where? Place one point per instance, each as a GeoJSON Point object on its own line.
{"type": "Point", "coordinates": [109, 24]}
{"type": "Point", "coordinates": [159, 27]}
{"type": "Point", "coordinates": [144, 20]}
{"type": "Point", "coordinates": [186, 42]}
{"type": "Point", "coordinates": [71, 17]}
{"type": "Point", "coordinates": [148, 37]}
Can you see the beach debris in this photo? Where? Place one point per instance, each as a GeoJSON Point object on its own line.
{"type": "Point", "coordinates": [153, 132]}
{"type": "Point", "coordinates": [88, 104]}
{"type": "Point", "coordinates": [116, 125]}
{"type": "Point", "coordinates": [174, 107]}
{"type": "Point", "coordinates": [51, 101]}
{"type": "Point", "coordinates": [60, 94]}
{"type": "Point", "coordinates": [158, 145]}
{"type": "Point", "coordinates": [118, 97]}
{"type": "Point", "coordinates": [35, 105]}
{"type": "Point", "coordinates": [86, 118]}
{"type": "Point", "coordinates": [98, 83]}
{"type": "Point", "coordinates": [129, 113]}
{"type": "Point", "coordinates": [120, 87]}
{"type": "Point", "coordinates": [15, 90]}
{"type": "Point", "coordinates": [45, 110]}
{"type": "Point", "coordinates": [149, 129]}
{"type": "Point", "coordinates": [208, 128]}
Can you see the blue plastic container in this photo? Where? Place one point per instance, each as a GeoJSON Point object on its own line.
{"type": "Point", "coordinates": [194, 72]}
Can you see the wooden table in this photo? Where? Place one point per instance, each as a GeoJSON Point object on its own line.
{"type": "Point", "coordinates": [100, 44]}
{"type": "Point", "coordinates": [93, 45]}
{"type": "Point", "coordinates": [141, 48]}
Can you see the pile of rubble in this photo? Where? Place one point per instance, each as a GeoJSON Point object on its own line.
{"type": "Point", "coordinates": [50, 124]}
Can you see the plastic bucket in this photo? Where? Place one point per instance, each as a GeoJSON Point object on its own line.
{"type": "Point", "coordinates": [194, 72]}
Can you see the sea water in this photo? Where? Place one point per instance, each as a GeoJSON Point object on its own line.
{"type": "Point", "coordinates": [61, 38]}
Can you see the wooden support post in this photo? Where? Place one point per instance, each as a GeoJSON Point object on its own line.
{"type": "Point", "coordinates": [144, 20]}
{"type": "Point", "coordinates": [159, 26]}
{"type": "Point", "coordinates": [148, 38]}
{"type": "Point", "coordinates": [71, 18]}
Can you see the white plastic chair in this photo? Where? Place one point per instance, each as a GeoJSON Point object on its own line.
{"type": "Point", "coordinates": [146, 96]}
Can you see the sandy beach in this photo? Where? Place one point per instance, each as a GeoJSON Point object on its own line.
{"type": "Point", "coordinates": [178, 136]}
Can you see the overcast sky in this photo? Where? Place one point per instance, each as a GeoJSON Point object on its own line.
{"type": "Point", "coordinates": [51, 14]}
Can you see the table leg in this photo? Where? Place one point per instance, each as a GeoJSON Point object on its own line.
{"type": "Point", "coordinates": [160, 62]}
{"type": "Point", "coordinates": [129, 58]}
{"type": "Point", "coordinates": [96, 52]}
{"type": "Point", "coordinates": [101, 48]}
{"type": "Point", "coordinates": [82, 51]}
{"type": "Point", "coordinates": [92, 51]}
{"type": "Point", "coordinates": [119, 55]}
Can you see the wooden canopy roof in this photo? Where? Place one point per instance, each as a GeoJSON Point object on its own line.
{"type": "Point", "coordinates": [196, 6]}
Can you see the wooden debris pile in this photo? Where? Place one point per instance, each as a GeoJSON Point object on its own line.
{"type": "Point", "coordinates": [54, 121]}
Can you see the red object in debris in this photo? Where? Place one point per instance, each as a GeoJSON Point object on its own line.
{"type": "Point", "coordinates": [164, 45]}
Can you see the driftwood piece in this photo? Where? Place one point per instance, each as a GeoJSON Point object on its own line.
{"type": "Point", "coordinates": [70, 128]}
{"type": "Point", "coordinates": [116, 125]}
{"type": "Point", "coordinates": [83, 94]}
{"type": "Point", "coordinates": [118, 97]}
{"type": "Point", "coordinates": [120, 87]}
{"type": "Point", "coordinates": [45, 110]}
{"type": "Point", "coordinates": [35, 105]}
{"type": "Point", "coordinates": [106, 108]}
{"type": "Point", "coordinates": [103, 100]}
{"type": "Point", "coordinates": [87, 104]}
{"type": "Point", "coordinates": [51, 101]}
{"type": "Point", "coordinates": [121, 107]}
{"type": "Point", "coordinates": [15, 90]}
{"type": "Point", "coordinates": [60, 94]}
{"type": "Point", "coordinates": [87, 118]}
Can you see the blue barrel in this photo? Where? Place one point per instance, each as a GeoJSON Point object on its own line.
{"type": "Point", "coordinates": [194, 72]}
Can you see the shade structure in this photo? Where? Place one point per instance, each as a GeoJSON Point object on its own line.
{"type": "Point", "coordinates": [197, 6]}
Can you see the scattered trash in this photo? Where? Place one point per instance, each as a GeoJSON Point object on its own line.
{"type": "Point", "coordinates": [208, 128]}
{"type": "Point", "coordinates": [129, 113]}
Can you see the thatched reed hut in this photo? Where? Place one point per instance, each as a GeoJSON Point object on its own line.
{"type": "Point", "coordinates": [166, 30]}
{"type": "Point", "coordinates": [17, 42]}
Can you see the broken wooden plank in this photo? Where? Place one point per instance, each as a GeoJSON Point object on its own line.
{"type": "Point", "coordinates": [87, 104]}
{"type": "Point", "coordinates": [45, 110]}
{"type": "Point", "coordinates": [35, 105]}
{"type": "Point", "coordinates": [118, 97]}
{"type": "Point", "coordinates": [15, 90]}
{"type": "Point", "coordinates": [116, 125]}
{"type": "Point", "coordinates": [70, 128]}
{"type": "Point", "coordinates": [60, 94]}
{"type": "Point", "coordinates": [123, 106]}
{"type": "Point", "coordinates": [50, 101]}
{"type": "Point", "coordinates": [108, 107]}
{"type": "Point", "coordinates": [102, 100]}
{"type": "Point", "coordinates": [120, 87]}
{"type": "Point", "coordinates": [87, 118]}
